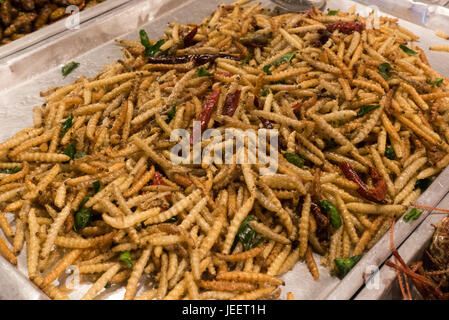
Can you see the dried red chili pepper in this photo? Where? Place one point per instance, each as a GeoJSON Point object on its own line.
{"type": "Point", "coordinates": [316, 186]}
{"type": "Point", "coordinates": [157, 179]}
{"type": "Point", "coordinates": [209, 105]}
{"type": "Point", "coordinates": [199, 59]}
{"type": "Point", "coordinates": [188, 39]}
{"type": "Point", "coordinates": [266, 123]}
{"type": "Point", "coordinates": [346, 27]}
{"type": "Point", "coordinates": [81, 6]}
{"type": "Point", "coordinates": [376, 194]}
{"type": "Point", "coordinates": [324, 36]}
{"type": "Point", "coordinates": [231, 103]}
{"type": "Point", "coordinates": [225, 74]}
{"type": "Point", "coordinates": [321, 219]}
{"type": "Point", "coordinates": [296, 106]}
{"type": "Point", "coordinates": [305, 104]}
{"type": "Point", "coordinates": [380, 186]}
{"type": "Point", "coordinates": [256, 103]}
{"type": "Point", "coordinates": [315, 43]}
{"type": "Point", "coordinates": [206, 113]}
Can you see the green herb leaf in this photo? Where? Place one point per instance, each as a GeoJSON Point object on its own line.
{"type": "Point", "coordinates": [266, 69]}
{"type": "Point", "coordinates": [365, 109]}
{"type": "Point", "coordinates": [202, 72]}
{"type": "Point", "coordinates": [334, 215]}
{"type": "Point", "coordinates": [70, 151]}
{"type": "Point", "coordinates": [437, 82]}
{"type": "Point", "coordinates": [79, 154]}
{"type": "Point", "coordinates": [82, 204]}
{"type": "Point", "coordinates": [245, 61]}
{"type": "Point", "coordinates": [265, 92]}
{"type": "Point", "coordinates": [83, 217]}
{"type": "Point", "coordinates": [330, 144]}
{"type": "Point", "coordinates": [11, 171]}
{"type": "Point", "coordinates": [144, 40]}
{"type": "Point", "coordinates": [413, 215]}
{"type": "Point", "coordinates": [69, 67]}
{"type": "Point", "coordinates": [255, 39]}
{"type": "Point", "coordinates": [407, 50]}
{"type": "Point", "coordinates": [332, 12]}
{"type": "Point", "coordinates": [171, 220]}
{"type": "Point", "coordinates": [423, 184]}
{"type": "Point", "coordinates": [150, 50]}
{"type": "Point", "coordinates": [345, 265]}
{"type": "Point", "coordinates": [97, 186]}
{"type": "Point", "coordinates": [66, 126]}
{"type": "Point", "coordinates": [285, 58]}
{"type": "Point", "coordinates": [295, 158]}
{"type": "Point", "coordinates": [279, 82]}
{"type": "Point", "coordinates": [385, 70]}
{"type": "Point", "coordinates": [125, 257]}
{"type": "Point", "coordinates": [390, 153]}
{"type": "Point", "coordinates": [338, 123]}
{"type": "Point", "coordinates": [171, 114]}
{"type": "Point", "coordinates": [247, 236]}
{"type": "Point", "coordinates": [155, 48]}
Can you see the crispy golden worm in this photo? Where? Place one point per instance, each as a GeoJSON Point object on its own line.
{"type": "Point", "coordinates": [361, 120]}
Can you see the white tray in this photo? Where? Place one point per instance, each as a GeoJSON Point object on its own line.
{"type": "Point", "coordinates": [93, 47]}
{"type": "Point", "coordinates": [384, 284]}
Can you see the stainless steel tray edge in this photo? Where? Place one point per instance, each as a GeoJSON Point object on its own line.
{"type": "Point", "coordinates": [336, 289]}
{"type": "Point", "coordinates": [14, 286]}
{"type": "Point", "coordinates": [384, 285]}
{"type": "Point", "coordinates": [377, 255]}
{"type": "Point", "coordinates": [424, 14]}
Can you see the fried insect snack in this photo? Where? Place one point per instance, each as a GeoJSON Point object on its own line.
{"type": "Point", "coordinates": [362, 124]}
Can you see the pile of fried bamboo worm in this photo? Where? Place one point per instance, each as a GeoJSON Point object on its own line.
{"type": "Point", "coordinates": [361, 117]}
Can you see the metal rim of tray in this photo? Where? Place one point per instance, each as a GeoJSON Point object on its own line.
{"type": "Point", "coordinates": [411, 250]}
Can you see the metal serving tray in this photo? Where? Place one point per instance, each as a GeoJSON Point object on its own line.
{"type": "Point", "coordinates": [25, 74]}
{"type": "Point", "coordinates": [59, 26]}
{"type": "Point", "coordinates": [433, 14]}
{"type": "Point", "coordinates": [384, 284]}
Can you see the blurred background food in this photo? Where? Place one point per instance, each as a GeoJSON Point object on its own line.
{"type": "Point", "coordinates": [21, 17]}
